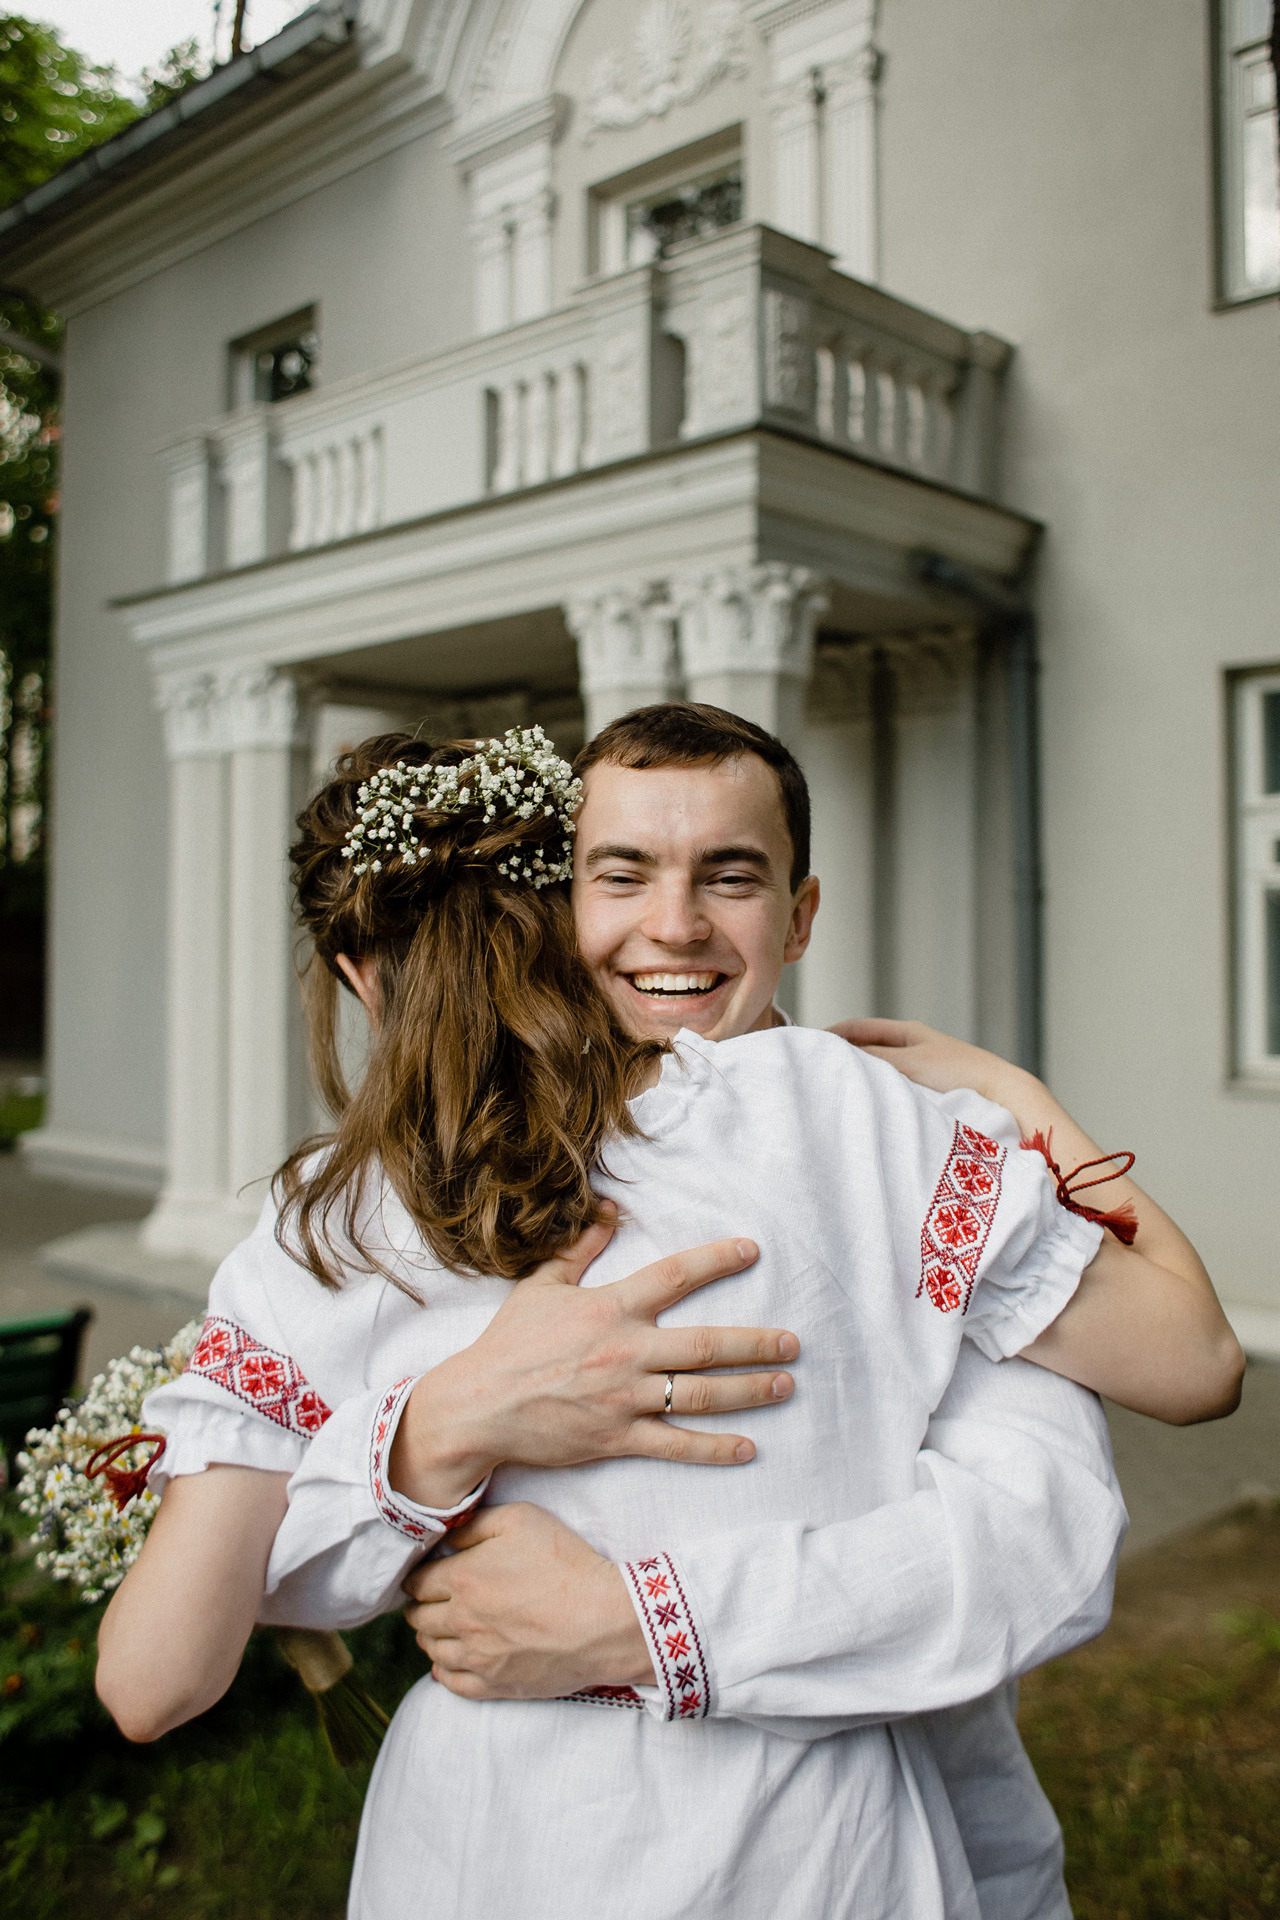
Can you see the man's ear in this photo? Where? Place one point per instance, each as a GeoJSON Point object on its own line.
{"type": "Point", "coordinates": [362, 977]}
{"type": "Point", "coordinates": [803, 908]}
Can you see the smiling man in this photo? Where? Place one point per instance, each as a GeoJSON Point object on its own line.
{"type": "Point", "coordinates": [691, 871]}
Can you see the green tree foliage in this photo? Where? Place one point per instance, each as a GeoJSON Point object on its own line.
{"type": "Point", "coordinates": [29, 432]}
{"type": "Point", "coordinates": [54, 105]}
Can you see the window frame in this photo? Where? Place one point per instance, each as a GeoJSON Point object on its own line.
{"type": "Point", "coordinates": [1255, 871]}
{"type": "Point", "coordinates": [608, 200]}
{"type": "Point", "coordinates": [1230, 288]}
{"type": "Point", "coordinates": [242, 355]}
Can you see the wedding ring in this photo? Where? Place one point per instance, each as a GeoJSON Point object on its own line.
{"type": "Point", "coordinates": [666, 1398]}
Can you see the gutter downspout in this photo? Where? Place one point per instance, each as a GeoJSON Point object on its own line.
{"type": "Point", "coordinates": [1007, 617]}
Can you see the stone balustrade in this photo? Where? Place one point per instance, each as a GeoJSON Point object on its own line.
{"type": "Point", "coordinates": [742, 329]}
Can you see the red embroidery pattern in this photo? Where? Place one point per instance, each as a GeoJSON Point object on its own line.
{"type": "Point", "coordinates": [388, 1503]}
{"type": "Point", "coordinates": [607, 1697]}
{"type": "Point", "coordinates": [959, 1219]}
{"type": "Point", "coordinates": [271, 1382]}
{"type": "Point", "coordinates": [678, 1659]}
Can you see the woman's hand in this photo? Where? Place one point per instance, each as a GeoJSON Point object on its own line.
{"type": "Point", "coordinates": [1144, 1326]}
{"type": "Point", "coordinates": [934, 1059]}
{"type": "Point", "coordinates": [563, 1374]}
{"type": "Point", "coordinates": [525, 1610]}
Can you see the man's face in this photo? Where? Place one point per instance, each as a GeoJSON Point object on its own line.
{"type": "Point", "coordinates": [682, 896]}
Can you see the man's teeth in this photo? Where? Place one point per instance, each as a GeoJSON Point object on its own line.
{"type": "Point", "coordinates": [674, 982]}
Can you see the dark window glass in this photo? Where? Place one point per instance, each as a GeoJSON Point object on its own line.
{"type": "Point", "coordinates": [1271, 742]}
{"type": "Point", "coordinates": [690, 212]}
{"type": "Point", "coordinates": [280, 372]}
{"type": "Point", "coordinates": [1273, 973]}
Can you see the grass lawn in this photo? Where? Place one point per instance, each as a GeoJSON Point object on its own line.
{"type": "Point", "coordinates": [1159, 1746]}
{"type": "Point", "coordinates": [19, 1112]}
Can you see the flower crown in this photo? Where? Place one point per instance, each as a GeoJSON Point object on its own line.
{"type": "Point", "coordinates": [517, 777]}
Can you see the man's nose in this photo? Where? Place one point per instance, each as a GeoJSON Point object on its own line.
{"type": "Point", "coordinates": [675, 917]}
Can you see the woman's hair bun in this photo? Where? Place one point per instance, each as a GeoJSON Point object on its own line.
{"type": "Point", "coordinates": [399, 822]}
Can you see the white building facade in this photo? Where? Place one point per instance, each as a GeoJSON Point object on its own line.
{"type": "Point", "coordinates": [902, 376]}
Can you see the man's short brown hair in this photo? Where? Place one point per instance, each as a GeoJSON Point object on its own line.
{"type": "Point", "coordinates": [681, 733]}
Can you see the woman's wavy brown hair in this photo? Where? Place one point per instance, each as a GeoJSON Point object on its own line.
{"type": "Point", "coordinates": [497, 1069]}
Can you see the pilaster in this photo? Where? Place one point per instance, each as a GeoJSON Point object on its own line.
{"type": "Point", "coordinates": [190, 516]}
{"type": "Point", "coordinates": [825, 70]}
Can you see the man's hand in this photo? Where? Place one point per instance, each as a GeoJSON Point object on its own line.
{"type": "Point", "coordinates": [525, 1610]}
{"type": "Point", "coordinates": [563, 1375]}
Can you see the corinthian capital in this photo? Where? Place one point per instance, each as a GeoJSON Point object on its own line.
{"type": "Point", "coordinates": [750, 620]}
{"type": "Point", "coordinates": [264, 708]}
{"type": "Point", "coordinates": [626, 640]}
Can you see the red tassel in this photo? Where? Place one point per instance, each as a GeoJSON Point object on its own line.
{"type": "Point", "coordinates": [125, 1482]}
{"type": "Point", "coordinates": [1122, 1220]}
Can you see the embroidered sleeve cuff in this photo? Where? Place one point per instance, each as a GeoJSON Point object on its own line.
{"type": "Point", "coordinates": [675, 1647]}
{"type": "Point", "coordinates": [406, 1516]}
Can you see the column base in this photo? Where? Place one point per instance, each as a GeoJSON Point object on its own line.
{"type": "Point", "coordinates": [197, 1227]}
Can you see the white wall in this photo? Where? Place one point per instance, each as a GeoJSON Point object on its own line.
{"type": "Point", "coordinates": [385, 256]}
{"type": "Point", "coordinates": [1046, 173]}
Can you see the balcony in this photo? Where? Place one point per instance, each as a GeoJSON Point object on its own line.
{"type": "Point", "coordinates": [746, 329]}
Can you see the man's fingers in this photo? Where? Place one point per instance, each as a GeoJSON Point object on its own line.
{"type": "Point", "coordinates": [656, 1439]}
{"type": "Point", "coordinates": [689, 1349]}
{"type": "Point", "coordinates": [669, 1280]}
{"type": "Point", "coordinates": [712, 1393]}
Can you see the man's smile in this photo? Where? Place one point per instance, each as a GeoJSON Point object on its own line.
{"type": "Point", "coordinates": [670, 986]}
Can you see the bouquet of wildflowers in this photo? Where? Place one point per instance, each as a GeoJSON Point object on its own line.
{"type": "Point", "coordinates": [83, 1480]}
{"type": "Point", "coordinates": [88, 1536]}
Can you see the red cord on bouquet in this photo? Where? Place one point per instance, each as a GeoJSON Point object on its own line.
{"type": "Point", "coordinates": [1122, 1220]}
{"type": "Point", "coordinates": [125, 1482]}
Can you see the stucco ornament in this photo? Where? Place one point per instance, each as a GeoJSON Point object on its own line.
{"type": "Point", "coordinates": [673, 57]}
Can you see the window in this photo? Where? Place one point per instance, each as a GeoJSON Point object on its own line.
{"type": "Point", "coordinates": [686, 212]}
{"type": "Point", "coordinates": [681, 197]}
{"type": "Point", "coordinates": [1257, 765]}
{"type": "Point", "coordinates": [273, 363]}
{"type": "Point", "coordinates": [1248, 165]}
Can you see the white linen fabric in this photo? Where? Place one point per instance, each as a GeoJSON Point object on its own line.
{"type": "Point", "coordinates": [855, 1574]}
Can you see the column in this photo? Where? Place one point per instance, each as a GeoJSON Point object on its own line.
{"type": "Point", "coordinates": [626, 650]}
{"type": "Point", "coordinates": [267, 1107]}
{"type": "Point", "coordinates": [189, 1216]}
{"type": "Point", "coordinates": [746, 642]}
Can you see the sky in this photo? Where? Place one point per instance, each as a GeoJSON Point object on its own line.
{"type": "Point", "coordinates": [132, 34]}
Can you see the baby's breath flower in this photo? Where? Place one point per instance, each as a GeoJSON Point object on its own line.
{"type": "Point", "coordinates": [515, 775]}
{"type": "Point", "coordinates": [89, 1542]}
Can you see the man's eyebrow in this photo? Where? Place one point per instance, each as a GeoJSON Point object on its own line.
{"type": "Point", "coordinates": [635, 855]}
{"type": "Point", "coordinates": [734, 856]}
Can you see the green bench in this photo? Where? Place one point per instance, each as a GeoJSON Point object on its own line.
{"type": "Point", "coordinates": [39, 1363]}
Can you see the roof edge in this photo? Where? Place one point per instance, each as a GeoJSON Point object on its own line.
{"type": "Point", "coordinates": [323, 30]}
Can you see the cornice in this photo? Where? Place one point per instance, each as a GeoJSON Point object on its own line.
{"type": "Point", "coordinates": [480, 143]}
{"type": "Point", "coordinates": [219, 190]}
{"type": "Point", "coordinates": [772, 16]}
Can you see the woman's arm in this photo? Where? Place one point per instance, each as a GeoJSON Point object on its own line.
{"type": "Point", "coordinates": [171, 1640]}
{"type": "Point", "coordinates": [1144, 1326]}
